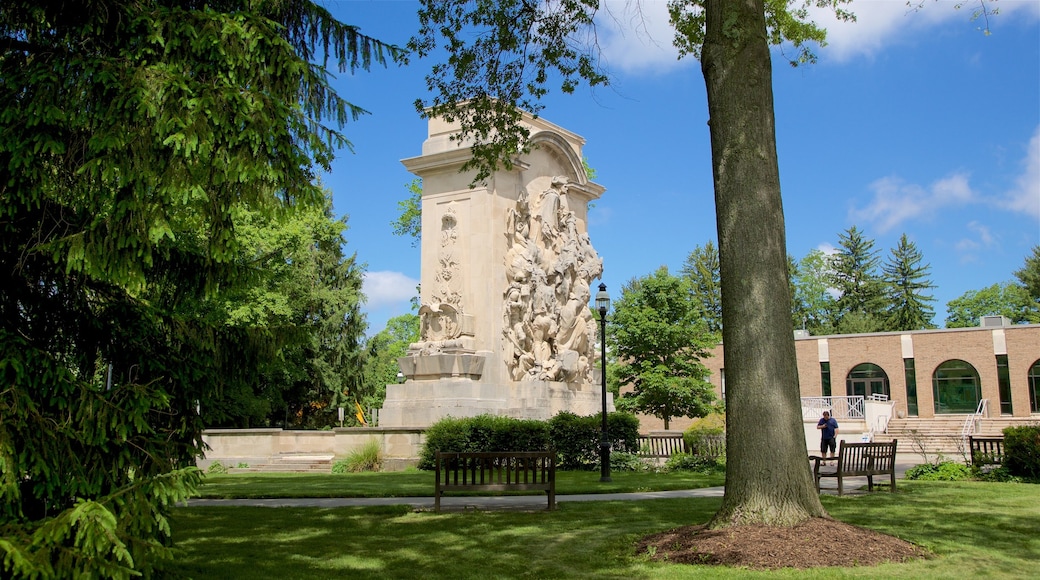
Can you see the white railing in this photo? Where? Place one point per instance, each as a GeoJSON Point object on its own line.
{"type": "Point", "coordinates": [878, 397]}
{"type": "Point", "coordinates": [881, 424]}
{"type": "Point", "coordinates": [973, 420]}
{"type": "Point", "coordinates": [839, 407]}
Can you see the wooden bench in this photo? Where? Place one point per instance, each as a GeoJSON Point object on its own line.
{"type": "Point", "coordinates": [661, 446]}
{"type": "Point", "coordinates": [858, 460]}
{"type": "Point", "coordinates": [986, 451]}
{"type": "Point", "coordinates": [495, 471]}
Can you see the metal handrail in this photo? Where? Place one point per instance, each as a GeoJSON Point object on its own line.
{"type": "Point", "coordinates": [839, 407]}
{"type": "Point", "coordinates": [972, 420]}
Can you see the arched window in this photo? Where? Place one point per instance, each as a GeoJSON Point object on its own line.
{"type": "Point", "coordinates": [866, 379]}
{"type": "Point", "coordinates": [956, 387]}
{"type": "Point", "coordinates": [1034, 387]}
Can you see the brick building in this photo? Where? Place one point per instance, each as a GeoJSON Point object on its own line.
{"type": "Point", "coordinates": [926, 373]}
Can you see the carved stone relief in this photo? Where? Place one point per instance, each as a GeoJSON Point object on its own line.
{"type": "Point", "coordinates": [548, 331]}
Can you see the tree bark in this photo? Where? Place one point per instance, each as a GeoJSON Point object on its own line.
{"type": "Point", "coordinates": [768, 480]}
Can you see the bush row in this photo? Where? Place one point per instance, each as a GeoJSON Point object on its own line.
{"type": "Point", "coordinates": [575, 438]}
{"type": "Point", "coordinates": [1022, 451]}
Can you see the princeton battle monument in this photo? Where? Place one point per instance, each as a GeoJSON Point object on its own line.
{"type": "Point", "coordinates": [507, 266]}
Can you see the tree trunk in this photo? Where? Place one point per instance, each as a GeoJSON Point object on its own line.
{"type": "Point", "coordinates": [768, 480]}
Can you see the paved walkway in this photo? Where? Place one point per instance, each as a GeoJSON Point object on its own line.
{"type": "Point", "coordinates": [524, 502]}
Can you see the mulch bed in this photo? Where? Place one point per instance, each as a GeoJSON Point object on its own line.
{"type": "Point", "coordinates": [816, 543]}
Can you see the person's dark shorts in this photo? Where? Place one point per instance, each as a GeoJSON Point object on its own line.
{"type": "Point", "coordinates": [826, 444]}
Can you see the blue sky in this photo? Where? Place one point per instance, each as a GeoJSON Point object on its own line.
{"type": "Point", "coordinates": [911, 122]}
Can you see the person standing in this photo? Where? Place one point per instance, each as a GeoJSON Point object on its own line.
{"type": "Point", "coordinates": [828, 427]}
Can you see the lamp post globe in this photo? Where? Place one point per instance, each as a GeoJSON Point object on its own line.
{"type": "Point", "coordinates": [602, 305]}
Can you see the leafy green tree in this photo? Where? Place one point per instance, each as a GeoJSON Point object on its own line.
{"type": "Point", "coordinates": [409, 223]}
{"type": "Point", "coordinates": [659, 340]}
{"type": "Point", "coordinates": [1002, 299]}
{"type": "Point", "coordinates": [1029, 276]}
{"type": "Point", "coordinates": [702, 270]}
{"type": "Point", "coordinates": [131, 133]}
{"type": "Point", "coordinates": [501, 57]}
{"type": "Point", "coordinates": [906, 280]}
{"type": "Point", "coordinates": [301, 303]}
{"type": "Point", "coordinates": [382, 352]}
{"type": "Point", "coordinates": [813, 302]}
{"type": "Point", "coordinates": [854, 274]}
{"type": "Point", "coordinates": [307, 299]}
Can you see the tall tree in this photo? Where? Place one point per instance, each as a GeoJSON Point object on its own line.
{"type": "Point", "coordinates": [382, 352]}
{"type": "Point", "coordinates": [658, 340]}
{"type": "Point", "coordinates": [855, 276]}
{"type": "Point", "coordinates": [906, 280]}
{"type": "Point", "coordinates": [702, 270]}
{"type": "Point", "coordinates": [813, 302]}
{"type": "Point", "coordinates": [131, 132]}
{"type": "Point", "coordinates": [310, 302]}
{"type": "Point", "coordinates": [501, 57]}
{"type": "Point", "coordinates": [1029, 276]}
{"type": "Point", "coordinates": [1003, 299]}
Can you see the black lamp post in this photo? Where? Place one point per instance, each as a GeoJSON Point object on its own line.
{"type": "Point", "coordinates": [603, 304]}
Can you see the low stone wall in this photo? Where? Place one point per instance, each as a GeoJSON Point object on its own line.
{"type": "Point", "coordinates": [256, 446]}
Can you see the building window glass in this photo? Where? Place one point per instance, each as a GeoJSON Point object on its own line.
{"type": "Point", "coordinates": [910, 374]}
{"type": "Point", "coordinates": [1034, 388]}
{"type": "Point", "coordinates": [825, 378]}
{"type": "Point", "coordinates": [956, 387]}
{"type": "Point", "coordinates": [1004, 382]}
{"type": "Point", "coordinates": [865, 380]}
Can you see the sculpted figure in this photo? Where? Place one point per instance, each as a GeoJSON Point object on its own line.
{"type": "Point", "coordinates": [574, 320]}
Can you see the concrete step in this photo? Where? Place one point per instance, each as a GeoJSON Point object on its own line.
{"type": "Point", "coordinates": [290, 463]}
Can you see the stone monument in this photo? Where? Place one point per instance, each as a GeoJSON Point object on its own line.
{"type": "Point", "coordinates": [507, 266]}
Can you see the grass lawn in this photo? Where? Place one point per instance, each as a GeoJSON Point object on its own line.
{"type": "Point", "coordinates": [415, 483]}
{"type": "Point", "coordinates": [976, 529]}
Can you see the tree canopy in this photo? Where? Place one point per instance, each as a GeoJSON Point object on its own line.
{"type": "Point", "coordinates": [854, 274]}
{"type": "Point", "coordinates": [701, 268]}
{"type": "Point", "coordinates": [905, 283]}
{"type": "Point", "coordinates": [134, 133]}
{"type": "Point", "coordinates": [1002, 299]}
{"type": "Point", "coordinates": [659, 339]}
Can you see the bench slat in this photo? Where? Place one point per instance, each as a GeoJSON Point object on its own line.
{"type": "Point", "coordinates": [495, 471]}
{"type": "Point", "coordinates": [859, 460]}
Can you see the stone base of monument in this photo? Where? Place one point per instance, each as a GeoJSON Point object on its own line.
{"type": "Point", "coordinates": [423, 403]}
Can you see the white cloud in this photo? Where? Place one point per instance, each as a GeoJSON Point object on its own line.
{"type": "Point", "coordinates": [635, 36]}
{"type": "Point", "coordinates": [386, 288]}
{"type": "Point", "coordinates": [896, 201]}
{"type": "Point", "coordinates": [827, 248]}
{"type": "Point", "coordinates": [969, 248]}
{"type": "Point", "coordinates": [1025, 196]}
{"type": "Point", "coordinates": [882, 23]}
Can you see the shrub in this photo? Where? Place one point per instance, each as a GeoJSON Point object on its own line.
{"type": "Point", "coordinates": [482, 433]}
{"type": "Point", "coordinates": [698, 463]}
{"type": "Point", "coordinates": [1022, 451]}
{"type": "Point", "coordinates": [368, 457]}
{"type": "Point", "coordinates": [998, 474]}
{"type": "Point", "coordinates": [706, 436]}
{"type": "Point", "coordinates": [625, 461]}
{"type": "Point", "coordinates": [940, 471]}
{"type": "Point", "coordinates": [576, 438]}
{"type": "Point", "coordinates": [216, 467]}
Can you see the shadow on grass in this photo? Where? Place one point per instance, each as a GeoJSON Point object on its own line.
{"type": "Point", "coordinates": [975, 529]}
{"type": "Point", "coordinates": [987, 521]}
{"type": "Point", "coordinates": [580, 540]}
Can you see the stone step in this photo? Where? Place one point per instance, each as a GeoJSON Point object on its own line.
{"type": "Point", "coordinates": [290, 463]}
